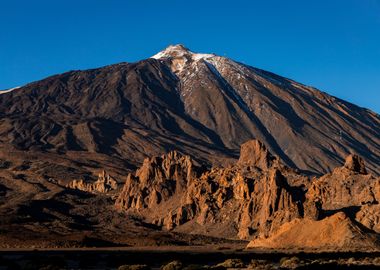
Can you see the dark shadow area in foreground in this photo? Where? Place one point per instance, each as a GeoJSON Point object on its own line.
{"type": "Point", "coordinates": [202, 259]}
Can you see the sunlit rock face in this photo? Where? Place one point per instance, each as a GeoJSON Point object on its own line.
{"type": "Point", "coordinates": [105, 183]}
{"type": "Point", "coordinates": [252, 196]}
{"type": "Point", "coordinates": [257, 198]}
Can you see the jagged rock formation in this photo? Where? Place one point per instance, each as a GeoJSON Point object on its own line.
{"type": "Point", "coordinates": [157, 181]}
{"type": "Point", "coordinates": [355, 163]}
{"type": "Point", "coordinates": [341, 211]}
{"type": "Point", "coordinates": [254, 153]}
{"type": "Point", "coordinates": [169, 191]}
{"type": "Point", "coordinates": [265, 211]}
{"type": "Point", "coordinates": [258, 198]}
{"type": "Point", "coordinates": [347, 186]}
{"type": "Point", "coordinates": [105, 183]}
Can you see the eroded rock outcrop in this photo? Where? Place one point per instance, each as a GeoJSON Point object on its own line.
{"type": "Point", "coordinates": [356, 164]}
{"type": "Point", "coordinates": [258, 198]}
{"type": "Point", "coordinates": [337, 207]}
{"type": "Point", "coordinates": [254, 153]}
{"type": "Point", "coordinates": [105, 183]}
{"type": "Point", "coordinates": [346, 186]}
{"type": "Point", "coordinates": [265, 211]}
{"type": "Point", "coordinates": [158, 180]}
{"type": "Point", "coordinates": [251, 197]}
{"type": "Point", "coordinates": [369, 216]}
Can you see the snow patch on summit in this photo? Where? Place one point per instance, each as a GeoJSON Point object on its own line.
{"type": "Point", "coordinates": [180, 51]}
{"type": "Point", "coordinates": [9, 90]}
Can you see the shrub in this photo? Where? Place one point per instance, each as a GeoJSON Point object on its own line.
{"type": "Point", "coordinates": [174, 265]}
{"type": "Point", "coordinates": [290, 263]}
{"type": "Point", "coordinates": [232, 263]}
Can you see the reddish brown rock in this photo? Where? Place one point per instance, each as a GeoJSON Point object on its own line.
{"type": "Point", "coordinates": [158, 180]}
{"type": "Point", "coordinates": [254, 153]}
{"type": "Point", "coordinates": [344, 187]}
{"type": "Point", "coordinates": [269, 207]}
{"type": "Point", "coordinates": [346, 190]}
{"type": "Point", "coordinates": [105, 183]}
{"type": "Point", "coordinates": [333, 233]}
{"type": "Point", "coordinates": [369, 216]}
{"type": "Point", "coordinates": [258, 198]}
{"type": "Point", "coordinates": [241, 200]}
{"type": "Point", "coordinates": [356, 164]}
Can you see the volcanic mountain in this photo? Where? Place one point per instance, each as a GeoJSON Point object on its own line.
{"type": "Point", "coordinates": [202, 105]}
{"type": "Point", "coordinates": [186, 149]}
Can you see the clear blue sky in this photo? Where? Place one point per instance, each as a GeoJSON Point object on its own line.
{"type": "Point", "coordinates": [333, 45]}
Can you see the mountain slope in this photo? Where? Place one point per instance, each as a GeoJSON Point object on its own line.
{"type": "Point", "coordinates": [200, 104]}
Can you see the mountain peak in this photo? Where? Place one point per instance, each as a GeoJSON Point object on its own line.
{"type": "Point", "coordinates": [180, 51]}
{"type": "Point", "coordinates": [177, 47]}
